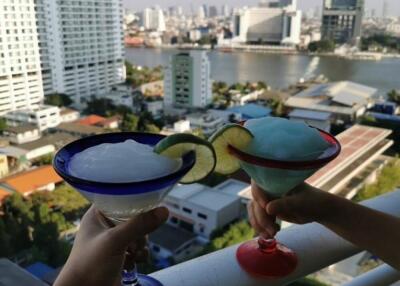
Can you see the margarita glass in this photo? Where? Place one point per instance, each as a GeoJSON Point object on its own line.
{"type": "Point", "coordinates": [121, 201]}
{"type": "Point", "coordinates": [266, 257]}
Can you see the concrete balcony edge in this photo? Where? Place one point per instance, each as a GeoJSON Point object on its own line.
{"type": "Point", "coordinates": [316, 247]}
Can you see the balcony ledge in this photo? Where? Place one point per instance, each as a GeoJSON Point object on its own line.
{"type": "Point", "coordinates": [316, 247]}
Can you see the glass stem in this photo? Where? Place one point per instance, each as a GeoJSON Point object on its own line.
{"type": "Point", "coordinates": [267, 245]}
{"type": "Point", "coordinates": [130, 277]}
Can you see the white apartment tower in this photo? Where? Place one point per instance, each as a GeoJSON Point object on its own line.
{"type": "Point", "coordinates": [187, 82]}
{"type": "Point", "coordinates": [20, 71]}
{"type": "Point", "coordinates": [153, 19]}
{"type": "Point", "coordinates": [270, 23]}
{"type": "Point", "coordinates": [81, 45]}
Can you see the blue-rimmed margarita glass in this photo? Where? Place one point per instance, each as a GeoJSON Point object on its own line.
{"type": "Point", "coordinates": [121, 201]}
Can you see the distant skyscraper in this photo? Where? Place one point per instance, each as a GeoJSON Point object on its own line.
{"type": "Point", "coordinates": [225, 11]}
{"type": "Point", "coordinates": [187, 82]}
{"type": "Point", "coordinates": [283, 18]}
{"type": "Point", "coordinates": [317, 12]}
{"type": "Point", "coordinates": [153, 19]}
{"type": "Point", "coordinates": [179, 10]}
{"type": "Point", "coordinates": [342, 20]}
{"type": "Point", "coordinates": [81, 46]}
{"type": "Point", "coordinates": [201, 13]}
{"type": "Point", "coordinates": [212, 12]}
{"type": "Point", "coordinates": [205, 9]}
{"type": "Point", "coordinates": [385, 9]}
{"type": "Point", "coordinates": [20, 71]}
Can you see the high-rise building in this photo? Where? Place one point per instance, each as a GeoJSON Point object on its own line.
{"type": "Point", "coordinates": [213, 12]}
{"type": "Point", "coordinates": [187, 82]}
{"type": "Point", "coordinates": [20, 71]}
{"type": "Point", "coordinates": [201, 13]}
{"type": "Point", "coordinates": [385, 9]}
{"type": "Point", "coordinates": [225, 11]}
{"type": "Point", "coordinates": [271, 23]}
{"type": "Point", "coordinates": [205, 9]}
{"type": "Point", "coordinates": [81, 46]}
{"type": "Point", "coordinates": [342, 20]}
{"type": "Point", "coordinates": [153, 19]}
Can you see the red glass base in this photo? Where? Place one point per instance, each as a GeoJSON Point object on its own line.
{"type": "Point", "coordinates": [266, 258]}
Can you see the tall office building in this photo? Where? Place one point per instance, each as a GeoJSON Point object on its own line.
{"type": "Point", "coordinates": [342, 20]}
{"type": "Point", "coordinates": [20, 71]}
{"type": "Point", "coordinates": [81, 46]}
{"type": "Point", "coordinates": [270, 22]}
{"type": "Point", "coordinates": [225, 10]}
{"type": "Point", "coordinates": [153, 19]}
{"type": "Point", "coordinates": [187, 82]}
{"type": "Point", "coordinates": [213, 12]}
{"type": "Point", "coordinates": [385, 9]}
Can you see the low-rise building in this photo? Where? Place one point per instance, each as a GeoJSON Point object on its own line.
{"type": "Point", "coordinates": [205, 121]}
{"type": "Point", "coordinates": [79, 130]}
{"type": "Point", "coordinates": [45, 117]}
{"type": "Point", "coordinates": [202, 210]}
{"type": "Point", "coordinates": [99, 121]}
{"type": "Point", "coordinates": [320, 120]}
{"type": "Point", "coordinates": [69, 115]}
{"type": "Point", "coordinates": [120, 95]}
{"type": "Point", "coordinates": [36, 149]}
{"type": "Point", "coordinates": [155, 107]}
{"type": "Point", "coordinates": [25, 183]}
{"type": "Point", "coordinates": [169, 243]}
{"type": "Point", "coordinates": [345, 100]}
{"type": "Point", "coordinates": [4, 170]}
{"type": "Point", "coordinates": [22, 134]}
{"type": "Point", "coordinates": [180, 126]}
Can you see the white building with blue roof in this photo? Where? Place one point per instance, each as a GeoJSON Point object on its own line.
{"type": "Point", "coordinates": [345, 100]}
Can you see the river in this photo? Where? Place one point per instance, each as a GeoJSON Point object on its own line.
{"type": "Point", "coordinates": [279, 71]}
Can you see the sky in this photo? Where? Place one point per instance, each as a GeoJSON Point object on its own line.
{"type": "Point", "coordinates": [394, 5]}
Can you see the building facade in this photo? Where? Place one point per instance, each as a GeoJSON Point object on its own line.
{"type": "Point", "coordinates": [44, 117]}
{"type": "Point", "coordinates": [81, 46]}
{"type": "Point", "coordinates": [187, 82]}
{"type": "Point", "coordinates": [272, 23]}
{"type": "Point", "coordinates": [153, 19]}
{"type": "Point", "coordinates": [20, 71]}
{"type": "Point", "coordinates": [342, 20]}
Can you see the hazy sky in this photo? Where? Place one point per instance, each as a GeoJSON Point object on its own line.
{"type": "Point", "coordinates": [394, 5]}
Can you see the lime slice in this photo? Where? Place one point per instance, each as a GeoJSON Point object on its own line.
{"type": "Point", "coordinates": [177, 145]}
{"type": "Point", "coordinates": [232, 134]}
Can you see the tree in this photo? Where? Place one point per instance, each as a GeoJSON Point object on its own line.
{"type": "Point", "coordinates": [5, 241]}
{"type": "Point", "coordinates": [58, 99]}
{"type": "Point", "coordinates": [44, 160]}
{"type": "Point", "coordinates": [99, 106]}
{"type": "Point", "coordinates": [152, 128]}
{"type": "Point", "coordinates": [3, 125]}
{"type": "Point", "coordinates": [261, 85]}
{"type": "Point", "coordinates": [324, 46]}
{"type": "Point", "coordinates": [394, 96]}
{"type": "Point", "coordinates": [130, 123]}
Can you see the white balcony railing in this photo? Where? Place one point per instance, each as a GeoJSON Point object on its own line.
{"type": "Point", "coordinates": [316, 247]}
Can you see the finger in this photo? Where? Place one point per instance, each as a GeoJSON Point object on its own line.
{"type": "Point", "coordinates": [138, 244]}
{"type": "Point", "coordinates": [259, 195]}
{"type": "Point", "coordinates": [252, 218]}
{"type": "Point", "coordinates": [139, 226]}
{"type": "Point", "coordinates": [264, 220]}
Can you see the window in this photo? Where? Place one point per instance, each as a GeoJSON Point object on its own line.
{"type": "Point", "coordinates": [174, 220]}
{"type": "Point", "coordinates": [156, 248]}
{"type": "Point", "coordinates": [186, 210]}
{"type": "Point", "coordinates": [203, 216]}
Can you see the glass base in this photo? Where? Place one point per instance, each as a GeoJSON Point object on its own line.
{"type": "Point", "coordinates": [266, 258]}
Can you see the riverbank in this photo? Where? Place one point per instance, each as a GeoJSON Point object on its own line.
{"type": "Point", "coordinates": [266, 49]}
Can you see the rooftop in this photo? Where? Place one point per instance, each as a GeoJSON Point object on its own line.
{"type": "Point", "coordinates": [231, 187]}
{"type": "Point", "coordinates": [65, 111]}
{"type": "Point", "coordinates": [171, 238]}
{"type": "Point", "coordinates": [91, 120]}
{"type": "Point", "coordinates": [340, 97]}
{"type": "Point", "coordinates": [58, 140]}
{"type": "Point", "coordinates": [355, 141]}
{"type": "Point", "coordinates": [21, 128]}
{"type": "Point", "coordinates": [251, 111]}
{"type": "Point", "coordinates": [182, 192]}
{"type": "Point", "coordinates": [212, 200]}
{"type": "Point", "coordinates": [79, 129]}
{"type": "Point", "coordinates": [31, 180]}
{"type": "Point", "coordinates": [309, 114]}
{"type": "Point", "coordinates": [13, 151]}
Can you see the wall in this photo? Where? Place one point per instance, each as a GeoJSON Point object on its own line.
{"type": "Point", "coordinates": [41, 151]}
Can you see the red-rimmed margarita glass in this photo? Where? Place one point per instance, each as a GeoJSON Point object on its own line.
{"type": "Point", "coordinates": [268, 258]}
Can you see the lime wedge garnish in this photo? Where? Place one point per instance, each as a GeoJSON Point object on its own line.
{"type": "Point", "coordinates": [177, 145]}
{"type": "Point", "coordinates": [234, 135]}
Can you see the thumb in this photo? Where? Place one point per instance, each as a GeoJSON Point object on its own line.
{"type": "Point", "coordinates": [139, 226]}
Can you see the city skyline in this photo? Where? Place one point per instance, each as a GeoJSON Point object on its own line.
{"type": "Point", "coordinates": [394, 5]}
